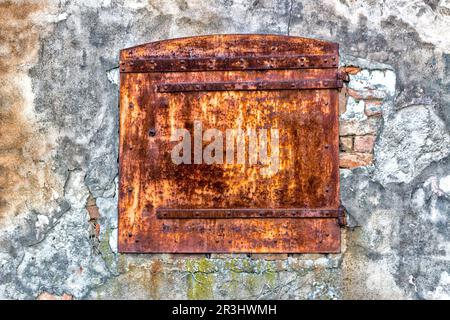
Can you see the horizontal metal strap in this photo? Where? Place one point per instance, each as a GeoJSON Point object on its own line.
{"type": "Point", "coordinates": [229, 63]}
{"type": "Point", "coordinates": [170, 213]}
{"type": "Point", "coordinates": [249, 85]}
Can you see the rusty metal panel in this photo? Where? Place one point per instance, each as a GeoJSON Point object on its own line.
{"type": "Point", "coordinates": [244, 83]}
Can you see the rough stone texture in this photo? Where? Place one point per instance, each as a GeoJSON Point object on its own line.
{"type": "Point", "coordinates": [58, 151]}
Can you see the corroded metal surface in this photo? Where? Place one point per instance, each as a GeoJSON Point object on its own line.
{"type": "Point", "coordinates": [307, 182]}
{"type": "Point", "coordinates": [164, 213]}
{"type": "Point", "coordinates": [250, 85]}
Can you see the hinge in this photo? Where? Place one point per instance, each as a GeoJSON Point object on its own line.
{"type": "Point", "coordinates": [189, 64]}
{"type": "Point", "coordinates": [250, 85]}
{"type": "Point", "coordinates": [342, 75]}
{"type": "Point", "coordinates": [342, 220]}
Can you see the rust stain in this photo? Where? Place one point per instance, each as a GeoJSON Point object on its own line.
{"type": "Point", "coordinates": [25, 175]}
{"type": "Point", "coordinates": [306, 116]}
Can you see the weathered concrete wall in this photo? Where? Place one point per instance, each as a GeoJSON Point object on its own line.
{"type": "Point", "coordinates": [59, 141]}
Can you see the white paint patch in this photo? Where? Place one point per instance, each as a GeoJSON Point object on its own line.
{"type": "Point", "coordinates": [41, 225]}
{"type": "Point", "coordinates": [412, 281]}
{"type": "Point", "coordinates": [354, 110]}
{"type": "Point", "coordinates": [444, 184]}
{"type": "Point", "coordinates": [383, 80]}
{"type": "Point", "coordinates": [113, 76]}
{"type": "Point", "coordinates": [135, 4]}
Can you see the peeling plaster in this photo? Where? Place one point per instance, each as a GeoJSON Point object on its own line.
{"type": "Point", "coordinates": [58, 147]}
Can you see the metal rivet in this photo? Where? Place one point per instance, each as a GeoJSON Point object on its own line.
{"type": "Point", "coordinates": [130, 189]}
{"type": "Point", "coordinates": [131, 105]}
{"type": "Point", "coordinates": [152, 132]}
{"type": "Point", "coordinates": [326, 146]}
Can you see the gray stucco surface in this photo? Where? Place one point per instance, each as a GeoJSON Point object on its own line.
{"type": "Point", "coordinates": [59, 116]}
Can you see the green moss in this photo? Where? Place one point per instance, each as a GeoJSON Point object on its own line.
{"type": "Point", "coordinates": [240, 265]}
{"type": "Point", "coordinates": [247, 266]}
{"type": "Point", "coordinates": [200, 286]}
{"type": "Point", "coordinates": [232, 265]}
{"type": "Point", "coordinates": [107, 255]}
{"type": "Point", "coordinates": [253, 282]}
{"type": "Point", "coordinates": [200, 278]}
{"type": "Point", "coordinates": [270, 278]}
{"type": "Point", "coordinates": [200, 265]}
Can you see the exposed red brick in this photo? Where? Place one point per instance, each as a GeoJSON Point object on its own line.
{"type": "Point", "coordinates": [94, 214]}
{"type": "Point", "coordinates": [48, 296]}
{"type": "Point", "coordinates": [373, 108]}
{"type": "Point", "coordinates": [369, 94]}
{"type": "Point", "coordinates": [358, 127]}
{"type": "Point", "coordinates": [92, 208]}
{"type": "Point", "coordinates": [354, 159]}
{"type": "Point", "coordinates": [364, 143]}
{"type": "Point", "coordinates": [97, 229]}
{"type": "Point", "coordinates": [346, 143]}
{"type": "Point", "coordinates": [352, 69]}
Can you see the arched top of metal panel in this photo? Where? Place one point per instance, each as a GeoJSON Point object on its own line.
{"type": "Point", "coordinates": [230, 52]}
